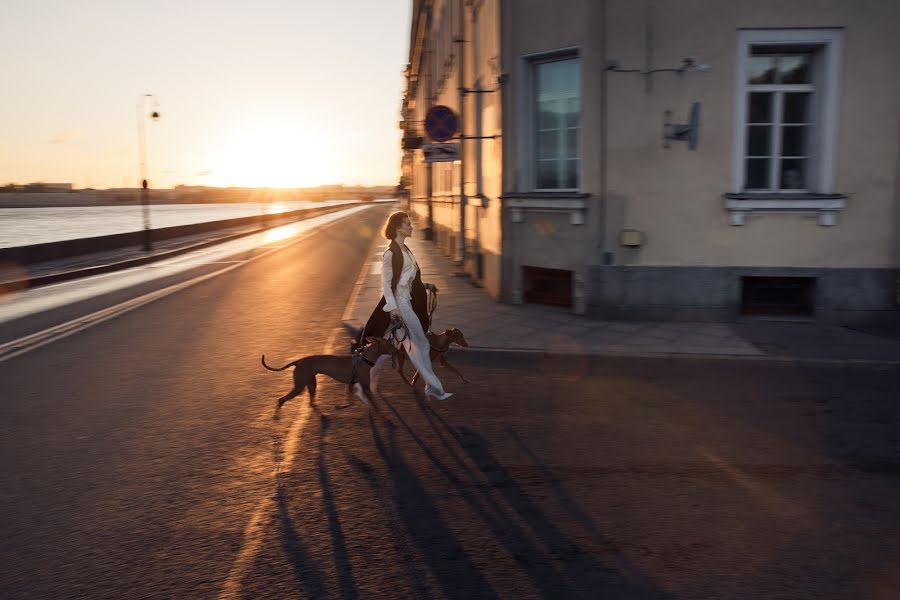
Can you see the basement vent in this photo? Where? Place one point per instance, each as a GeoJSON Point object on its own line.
{"type": "Point", "coordinates": [778, 296]}
{"type": "Point", "coordinates": [547, 286]}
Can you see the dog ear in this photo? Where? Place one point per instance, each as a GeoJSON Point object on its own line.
{"type": "Point", "coordinates": [370, 339]}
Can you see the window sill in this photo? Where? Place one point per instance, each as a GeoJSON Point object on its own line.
{"type": "Point", "coordinates": [574, 203]}
{"type": "Point", "coordinates": [825, 205]}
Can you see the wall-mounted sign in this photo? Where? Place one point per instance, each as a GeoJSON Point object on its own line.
{"type": "Point", "coordinates": [441, 152]}
{"type": "Point", "coordinates": [441, 123]}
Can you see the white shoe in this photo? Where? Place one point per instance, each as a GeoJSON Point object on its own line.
{"type": "Point", "coordinates": [445, 396]}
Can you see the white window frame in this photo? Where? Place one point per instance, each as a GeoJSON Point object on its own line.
{"type": "Point", "coordinates": [527, 172]}
{"type": "Point", "coordinates": [826, 80]}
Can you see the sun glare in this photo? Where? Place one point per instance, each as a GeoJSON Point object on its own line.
{"type": "Point", "coordinates": [263, 155]}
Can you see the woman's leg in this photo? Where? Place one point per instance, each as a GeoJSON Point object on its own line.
{"type": "Point", "coordinates": [418, 348]}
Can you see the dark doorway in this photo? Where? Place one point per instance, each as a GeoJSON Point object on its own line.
{"type": "Point", "coordinates": [547, 286]}
{"type": "Point", "coordinates": [778, 296]}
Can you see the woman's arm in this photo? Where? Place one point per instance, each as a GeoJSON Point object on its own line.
{"type": "Point", "coordinates": [387, 274]}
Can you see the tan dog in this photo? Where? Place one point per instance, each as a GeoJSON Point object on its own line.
{"type": "Point", "coordinates": [346, 369]}
{"type": "Point", "coordinates": [440, 343]}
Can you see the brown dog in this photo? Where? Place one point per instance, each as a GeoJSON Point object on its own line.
{"type": "Point", "coordinates": [440, 343]}
{"type": "Point", "coordinates": [346, 369]}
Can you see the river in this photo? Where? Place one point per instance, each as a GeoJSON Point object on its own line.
{"type": "Point", "coordinates": [26, 226]}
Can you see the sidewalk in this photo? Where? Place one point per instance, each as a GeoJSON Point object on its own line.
{"type": "Point", "coordinates": [490, 325]}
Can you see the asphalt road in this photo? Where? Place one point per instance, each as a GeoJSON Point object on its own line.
{"type": "Point", "coordinates": [143, 458]}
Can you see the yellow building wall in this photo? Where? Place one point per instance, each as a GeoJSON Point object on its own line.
{"type": "Point", "coordinates": [674, 195]}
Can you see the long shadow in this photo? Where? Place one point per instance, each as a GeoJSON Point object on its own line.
{"type": "Point", "coordinates": [448, 561]}
{"type": "Point", "coordinates": [407, 554]}
{"type": "Point", "coordinates": [591, 577]}
{"type": "Point", "coordinates": [507, 532]}
{"type": "Point", "coordinates": [306, 574]}
{"type": "Point", "coordinates": [346, 582]}
{"type": "Point", "coordinates": [571, 506]}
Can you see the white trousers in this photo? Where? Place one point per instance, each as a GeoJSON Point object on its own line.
{"type": "Point", "coordinates": [415, 342]}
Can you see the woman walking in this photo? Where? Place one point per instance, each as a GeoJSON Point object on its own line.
{"type": "Point", "coordinates": [405, 302]}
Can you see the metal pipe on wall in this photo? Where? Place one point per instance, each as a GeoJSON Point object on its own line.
{"type": "Point", "coordinates": [479, 192]}
{"type": "Point", "coordinates": [429, 91]}
{"type": "Point", "coordinates": [604, 133]}
{"type": "Point", "coordinates": [461, 254]}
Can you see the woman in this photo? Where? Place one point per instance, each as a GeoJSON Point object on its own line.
{"type": "Point", "coordinates": [405, 300]}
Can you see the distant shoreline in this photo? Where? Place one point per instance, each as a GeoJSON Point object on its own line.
{"type": "Point", "coordinates": [159, 197]}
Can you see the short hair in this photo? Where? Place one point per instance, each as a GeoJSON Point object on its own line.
{"type": "Point", "coordinates": [393, 222]}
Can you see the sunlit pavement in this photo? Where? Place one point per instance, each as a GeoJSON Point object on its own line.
{"type": "Point", "coordinates": [143, 457]}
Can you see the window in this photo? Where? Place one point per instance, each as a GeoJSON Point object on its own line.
{"type": "Point", "coordinates": [779, 118]}
{"type": "Point", "coordinates": [786, 111]}
{"type": "Point", "coordinates": [557, 126]}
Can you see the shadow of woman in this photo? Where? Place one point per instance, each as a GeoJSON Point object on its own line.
{"type": "Point", "coordinates": [346, 582]}
{"type": "Point", "coordinates": [307, 575]}
{"type": "Point", "coordinates": [447, 559]}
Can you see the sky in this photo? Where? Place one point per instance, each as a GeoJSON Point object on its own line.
{"type": "Point", "coordinates": [269, 93]}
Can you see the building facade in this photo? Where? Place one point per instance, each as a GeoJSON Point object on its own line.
{"type": "Point", "coordinates": [663, 159]}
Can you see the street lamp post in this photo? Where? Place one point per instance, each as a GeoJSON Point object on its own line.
{"type": "Point", "coordinates": [142, 116]}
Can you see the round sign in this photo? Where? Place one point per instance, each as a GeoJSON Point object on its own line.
{"type": "Point", "coordinates": [441, 123]}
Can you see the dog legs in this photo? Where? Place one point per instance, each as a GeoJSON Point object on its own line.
{"type": "Point", "coordinates": [401, 361]}
{"type": "Point", "coordinates": [446, 363]}
{"type": "Point", "coordinates": [291, 394]}
{"type": "Point", "coordinates": [302, 382]}
{"type": "Point", "coordinates": [311, 386]}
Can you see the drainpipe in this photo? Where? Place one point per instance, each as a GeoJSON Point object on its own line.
{"type": "Point", "coordinates": [461, 45]}
{"type": "Point", "coordinates": [479, 192]}
{"type": "Point", "coordinates": [604, 134]}
{"type": "Point", "coordinates": [429, 87]}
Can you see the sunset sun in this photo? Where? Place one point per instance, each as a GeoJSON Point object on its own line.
{"type": "Point", "coordinates": [268, 155]}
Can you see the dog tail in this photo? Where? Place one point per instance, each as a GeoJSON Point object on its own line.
{"type": "Point", "coordinates": [290, 364]}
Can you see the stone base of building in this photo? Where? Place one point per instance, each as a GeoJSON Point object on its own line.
{"type": "Point", "coordinates": [839, 296]}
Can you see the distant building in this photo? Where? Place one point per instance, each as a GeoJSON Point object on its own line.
{"type": "Point", "coordinates": [665, 159]}
{"type": "Point", "coordinates": [47, 187]}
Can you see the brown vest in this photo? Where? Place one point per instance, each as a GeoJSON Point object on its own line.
{"type": "Point", "coordinates": [397, 265]}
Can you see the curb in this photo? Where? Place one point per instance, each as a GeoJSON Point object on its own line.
{"type": "Point", "coordinates": [762, 358]}
{"type": "Point", "coordinates": [673, 356]}
{"type": "Point", "coordinates": [50, 278]}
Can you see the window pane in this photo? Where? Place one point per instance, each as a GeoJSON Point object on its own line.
{"type": "Point", "coordinates": [793, 174]}
{"type": "Point", "coordinates": [572, 136]}
{"type": "Point", "coordinates": [761, 107]}
{"type": "Point", "coordinates": [570, 174]}
{"type": "Point", "coordinates": [757, 174]}
{"type": "Point", "coordinates": [557, 80]}
{"type": "Point", "coordinates": [793, 69]}
{"type": "Point", "coordinates": [796, 107]}
{"type": "Point", "coordinates": [761, 70]}
{"type": "Point", "coordinates": [550, 114]}
{"type": "Point", "coordinates": [548, 144]}
{"type": "Point", "coordinates": [547, 174]}
{"type": "Point", "coordinates": [557, 96]}
{"type": "Point", "coordinates": [572, 117]}
{"type": "Point", "coordinates": [793, 140]}
{"type": "Point", "coordinates": [758, 140]}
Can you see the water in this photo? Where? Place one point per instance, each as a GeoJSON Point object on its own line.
{"type": "Point", "coordinates": [26, 226]}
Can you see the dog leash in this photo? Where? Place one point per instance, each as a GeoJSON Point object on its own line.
{"type": "Point", "coordinates": [391, 332]}
{"type": "Point", "coordinates": [355, 359]}
{"type": "Point", "coordinates": [432, 306]}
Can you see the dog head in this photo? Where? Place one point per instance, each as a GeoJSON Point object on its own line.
{"type": "Point", "coordinates": [381, 345]}
{"type": "Point", "coordinates": [456, 337]}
